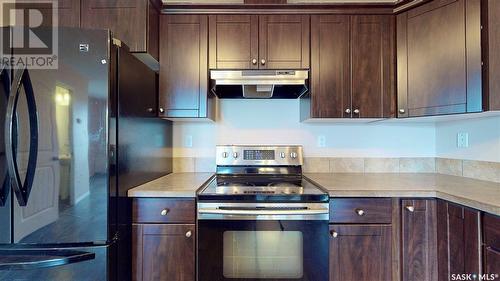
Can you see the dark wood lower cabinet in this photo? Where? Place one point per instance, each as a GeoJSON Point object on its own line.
{"type": "Point", "coordinates": [491, 245]}
{"type": "Point", "coordinates": [458, 240]}
{"type": "Point", "coordinates": [163, 252]}
{"type": "Point", "coordinates": [360, 252]}
{"type": "Point", "coordinates": [418, 247]}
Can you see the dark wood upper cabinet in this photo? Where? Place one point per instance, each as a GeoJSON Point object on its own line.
{"type": "Point", "coordinates": [490, 16]}
{"type": "Point", "coordinates": [330, 66]}
{"type": "Point", "coordinates": [184, 67]}
{"type": "Point", "coordinates": [372, 62]}
{"type": "Point", "coordinates": [68, 12]}
{"type": "Point", "coordinates": [135, 22]}
{"type": "Point", "coordinates": [491, 246]}
{"type": "Point", "coordinates": [458, 240]}
{"type": "Point", "coordinates": [418, 247]}
{"type": "Point", "coordinates": [259, 42]}
{"type": "Point", "coordinates": [284, 41]}
{"type": "Point", "coordinates": [360, 253]}
{"type": "Point", "coordinates": [352, 67]}
{"type": "Point", "coordinates": [163, 252]}
{"type": "Point", "coordinates": [439, 59]}
{"type": "Point", "coordinates": [233, 41]}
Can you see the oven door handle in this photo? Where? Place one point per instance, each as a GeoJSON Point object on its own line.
{"type": "Point", "coordinates": [257, 212]}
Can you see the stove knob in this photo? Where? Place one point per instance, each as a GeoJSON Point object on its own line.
{"type": "Point", "coordinates": [282, 154]}
{"type": "Point", "coordinates": [224, 154]}
{"type": "Point", "coordinates": [293, 155]}
{"type": "Point", "coordinates": [235, 155]}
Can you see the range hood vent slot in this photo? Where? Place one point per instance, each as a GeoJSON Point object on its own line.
{"type": "Point", "coordinates": [259, 84]}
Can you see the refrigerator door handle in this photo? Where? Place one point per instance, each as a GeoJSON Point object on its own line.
{"type": "Point", "coordinates": [22, 190]}
{"type": "Point", "coordinates": [12, 259]}
{"type": "Point", "coordinates": [5, 185]}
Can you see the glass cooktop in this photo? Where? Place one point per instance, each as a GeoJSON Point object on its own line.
{"type": "Point", "coordinates": [262, 188]}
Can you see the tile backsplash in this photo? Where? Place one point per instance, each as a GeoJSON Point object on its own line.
{"type": "Point", "coordinates": [482, 170]}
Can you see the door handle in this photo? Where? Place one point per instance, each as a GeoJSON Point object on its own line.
{"type": "Point", "coordinates": [5, 185]}
{"type": "Point", "coordinates": [22, 190]}
{"type": "Point", "coordinates": [16, 259]}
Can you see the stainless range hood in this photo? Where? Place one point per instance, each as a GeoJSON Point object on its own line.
{"type": "Point", "coordinates": [259, 84]}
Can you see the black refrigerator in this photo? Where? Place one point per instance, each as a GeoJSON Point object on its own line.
{"type": "Point", "coordinates": [73, 140]}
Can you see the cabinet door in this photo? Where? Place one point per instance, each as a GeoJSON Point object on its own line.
{"type": "Point", "coordinates": [458, 240]}
{"type": "Point", "coordinates": [68, 11]}
{"type": "Point", "coordinates": [360, 253]}
{"type": "Point", "coordinates": [330, 67]}
{"type": "Point", "coordinates": [183, 65]}
{"type": "Point", "coordinates": [162, 252]}
{"type": "Point", "coordinates": [233, 41]}
{"type": "Point", "coordinates": [439, 59]}
{"type": "Point", "coordinates": [372, 58]}
{"type": "Point", "coordinates": [284, 41]}
{"type": "Point", "coordinates": [125, 18]}
{"type": "Point", "coordinates": [419, 255]}
{"type": "Point", "coordinates": [491, 248]}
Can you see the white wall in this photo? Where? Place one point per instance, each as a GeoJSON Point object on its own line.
{"type": "Point", "coordinates": [484, 139]}
{"type": "Point", "coordinates": [277, 122]}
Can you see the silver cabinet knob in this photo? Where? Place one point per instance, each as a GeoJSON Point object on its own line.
{"type": "Point", "coordinates": [282, 154]}
{"type": "Point", "coordinates": [235, 155]}
{"type": "Point", "coordinates": [262, 61]}
{"type": "Point", "coordinates": [402, 111]}
{"type": "Point", "coordinates": [224, 154]}
{"type": "Point", "coordinates": [348, 110]}
{"type": "Point", "coordinates": [162, 110]}
{"type": "Point", "coordinates": [356, 111]}
{"type": "Point", "coordinates": [293, 155]}
{"type": "Point", "coordinates": [189, 233]}
{"type": "Point", "coordinates": [410, 208]}
{"type": "Point", "coordinates": [360, 212]}
{"type": "Point", "coordinates": [150, 109]}
{"type": "Point", "coordinates": [164, 212]}
{"type": "Point", "coordinates": [334, 233]}
{"type": "Point", "coordinates": [254, 61]}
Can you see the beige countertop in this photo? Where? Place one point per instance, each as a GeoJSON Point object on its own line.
{"type": "Point", "coordinates": [481, 195]}
{"type": "Point", "coordinates": [171, 185]}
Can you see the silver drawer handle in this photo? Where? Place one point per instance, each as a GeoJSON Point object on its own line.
{"type": "Point", "coordinates": [189, 233]}
{"type": "Point", "coordinates": [410, 208]}
{"type": "Point", "coordinates": [360, 212]}
{"type": "Point", "coordinates": [164, 212]}
{"type": "Point", "coordinates": [334, 233]}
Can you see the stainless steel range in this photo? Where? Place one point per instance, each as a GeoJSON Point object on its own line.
{"type": "Point", "coordinates": [260, 219]}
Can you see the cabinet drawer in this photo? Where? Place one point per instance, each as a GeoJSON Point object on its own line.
{"type": "Point", "coordinates": [162, 210]}
{"type": "Point", "coordinates": [361, 210]}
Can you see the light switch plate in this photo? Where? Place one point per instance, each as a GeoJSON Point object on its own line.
{"type": "Point", "coordinates": [321, 141]}
{"type": "Point", "coordinates": [188, 141]}
{"type": "Point", "coordinates": [462, 140]}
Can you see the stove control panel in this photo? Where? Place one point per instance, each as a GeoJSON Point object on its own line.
{"type": "Point", "coordinates": [237, 155]}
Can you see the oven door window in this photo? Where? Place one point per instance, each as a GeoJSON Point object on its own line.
{"type": "Point", "coordinates": [263, 254]}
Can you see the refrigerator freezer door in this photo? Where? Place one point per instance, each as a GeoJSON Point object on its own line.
{"type": "Point", "coordinates": [68, 202]}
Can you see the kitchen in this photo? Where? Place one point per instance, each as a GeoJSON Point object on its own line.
{"type": "Point", "coordinates": [255, 140]}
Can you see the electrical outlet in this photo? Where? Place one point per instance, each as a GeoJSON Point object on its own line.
{"type": "Point", "coordinates": [462, 140]}
{"type": "Point", "coordinates": [321, 141]}
{"type": "Point", "coordinates": [188, 141]}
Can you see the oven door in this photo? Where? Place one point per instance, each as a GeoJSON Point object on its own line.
{"type": "Point", "coordinates": [274, 247]}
